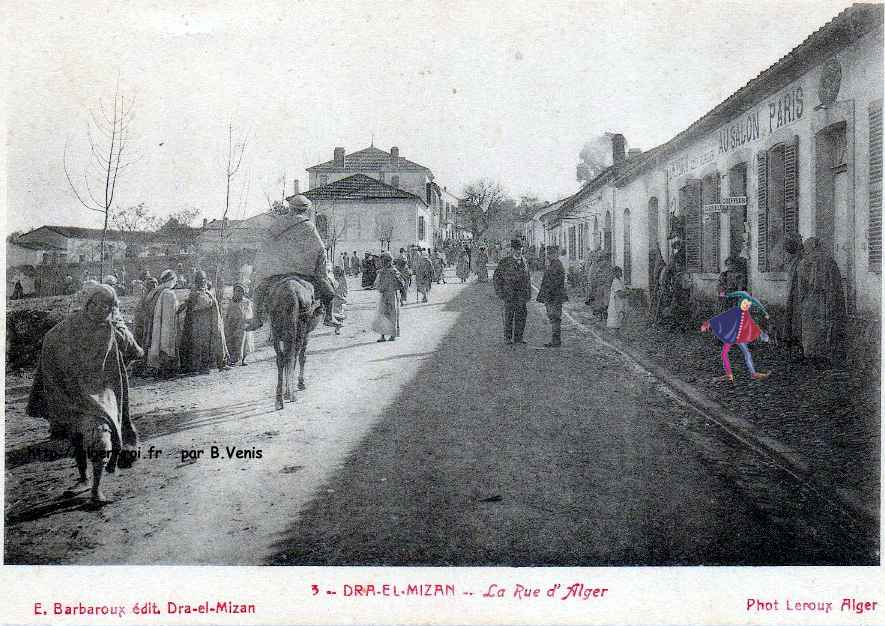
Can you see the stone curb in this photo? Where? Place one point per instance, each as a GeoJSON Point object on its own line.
{"type": "Point", "coordinates": [741, 429]}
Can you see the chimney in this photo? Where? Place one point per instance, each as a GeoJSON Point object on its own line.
{"type": "Point", "coordinates": [296, 187]}
{"type": "Point", "coordinates": [632, 153]}
{"type": "Point", "coordinates": [205, 221]}
{"type": "Point", "coordinates": [394, 154]}
{"type": "Point", "coordinates": [339, 157]}
{"type": "Point", "coordinates": [618, 145]}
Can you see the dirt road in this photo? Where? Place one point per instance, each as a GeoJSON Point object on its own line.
{"type": "Point", "coordinates": [444, 447]}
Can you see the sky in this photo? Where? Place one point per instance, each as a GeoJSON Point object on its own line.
{"type": "Point", "coordinates": [504, 90]}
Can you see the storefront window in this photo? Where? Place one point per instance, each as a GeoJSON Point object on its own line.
{"type": "Point", "coordinates": [776, 205]}
{"type": "Point", "coordinates": [737, 215]}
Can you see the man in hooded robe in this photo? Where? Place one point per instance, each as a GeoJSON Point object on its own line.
{"type": "Point", "coordinates": [424, 275]}
{"type": "Point", "coordinates": [292, 245]}
{"type": "Point", "coordinates": [793, 323]}
{"type": "Point", "coordinates": [160, 338]}
{"type": "Point", "coordinates": [81, 386]}
{"type": "Point", "coordinates": [202, 339]}
{"type": "Point", "coordinates": [237, 320]}
{"type": "Point", "coordinates": [462, 270]}
{"type": "Point", "coordinates": [482, 266]}
{"type": "Point", "coordinates": [389, 283]}
{"type": "Point", "coordinates": [369, 271]}
{"type": "Point", "coordinates": [822, 305]}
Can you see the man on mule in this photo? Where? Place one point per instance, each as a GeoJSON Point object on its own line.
{"type": "Point", "coordinates": [292, 246]}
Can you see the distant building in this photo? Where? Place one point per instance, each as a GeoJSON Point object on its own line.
{"type": "Point", "coordinates": [386, 167]}
{"type": "Point", "coordinates": [361, 213]}
{"type": "Point", "coordinates": [72, 244]}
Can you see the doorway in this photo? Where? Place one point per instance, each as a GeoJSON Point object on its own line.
{"type": "Point", "coordinates": [831, 209]}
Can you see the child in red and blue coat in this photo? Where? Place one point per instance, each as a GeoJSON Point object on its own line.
{"type": "Point", "coordinates": [736, 326]}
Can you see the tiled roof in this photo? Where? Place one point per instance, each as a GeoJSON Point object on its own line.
{"type": "Point", "coordinates": [75, 232]}
{"type": "Point", "coordinates": [358, 187]}
{"type": "Point", "coordinates": [369, 159]}
{"type": "Point", "coordinates": [37, 245]}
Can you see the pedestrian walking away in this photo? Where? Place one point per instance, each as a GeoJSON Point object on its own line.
{"type": "Point", "coordinates": [340, 298]}
{"type": "Point", "coordinates": [513, 286]}
{"type": "Point", "coordinates": [424, 276]}
{"type": "Point", "coordinates": [617, 300]}
{"type": "Point", "coordinates": [482, 266]}
{"type": "Point", "coordinates": [389, 284]}
{"type": "Point", "coordinates": [552, 294]}
{"type": "Point", "coordinates": [462, 270]}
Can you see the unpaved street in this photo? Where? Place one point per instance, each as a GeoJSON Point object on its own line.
{"type": "Point", "coordinates": [446, 447]}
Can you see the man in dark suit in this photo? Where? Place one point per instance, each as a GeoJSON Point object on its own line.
{"type": "Point", "coordinates": [552, 294]}
{"type": "Point", "coordinates": [512, 285]}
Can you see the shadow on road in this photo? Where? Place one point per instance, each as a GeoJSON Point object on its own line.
{"type": "Point", "coordinates": [168, 421]}
{"type": "Point", "coordinates": [448, 475]}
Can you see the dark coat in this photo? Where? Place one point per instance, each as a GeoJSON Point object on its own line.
{"type": "Point", "coordinates": [552, 289]}
{"type": "Point", "coordinates": [511, 280]}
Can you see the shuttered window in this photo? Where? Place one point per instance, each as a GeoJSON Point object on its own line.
{"type": "Point", "coordinates": [572, 247]}
{"type": "Point", "coordinates": [762, 211]}
{"type": "Point", "coordinates": [690, 203]}
{"type": "Point", "coordinates": [777, 203]}
{"type": "Point", "coordinates": [710, 195]}
{"type": "Point", "coordinates": [791, 186]}
{"type": "Point", "coordinates": [875, 225]}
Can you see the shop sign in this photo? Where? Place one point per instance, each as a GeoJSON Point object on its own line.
{"type": "Point", "coordinates": [779, 111]}
{"type": "Point", "coordinates": [725, 205]}
{"type": "Point", "coordinates": [686, 164]}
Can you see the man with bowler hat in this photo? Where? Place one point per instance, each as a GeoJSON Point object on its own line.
{"type": "Point", "coordinates": [512, 285]}
{"type": "Point", "coordinates": [552, 294]}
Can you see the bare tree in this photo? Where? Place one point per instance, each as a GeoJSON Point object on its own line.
{"type": "Point", "coordinates": [483, 202]}
{"type": "Point", "coordinates": [235, 152]}
{"type": "Point", "coordinates": [385, 226]}
{"type": "Point", "coordinates": [335, 228]}
{"type": "Point", "coordinates": [185, 217]}
{"type": "Point", "coordinates": [109, 135]}
{"type": "Point", "coordinates": [179, 231]}
{"type": "Point", "coordinates": [135, 224]}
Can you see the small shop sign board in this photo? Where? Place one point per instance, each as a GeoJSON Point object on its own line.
{"type": "Point", "coordinates": [725, 205]}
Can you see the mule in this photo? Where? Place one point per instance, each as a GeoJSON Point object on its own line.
{"type": "Point", "coordinates": [290, 326]}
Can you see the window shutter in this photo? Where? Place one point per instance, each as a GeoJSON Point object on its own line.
{"type": "Point", "coordinates": [714, 217]}
{"type": "Point", "coordinates": [693, 226]}
{"type": "Point", "coordinates": [791, 186]}
{"type": "Point", "coordinates": [875, 226]}
{"type": "Point", "coordinates": [762, 210]}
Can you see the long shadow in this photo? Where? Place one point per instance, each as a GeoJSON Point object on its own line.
{"type": "Point", "coordinates": [499, 455]}
{"type": "Point", "coordinates": [61, 505]}
{"type": "Point", "coordinates": [395, 357]}
{"type": "Point", "coordinates": [154, 423]}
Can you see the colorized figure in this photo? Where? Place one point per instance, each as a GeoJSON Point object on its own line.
{"type": "Point", "coordinates": [736, 326]}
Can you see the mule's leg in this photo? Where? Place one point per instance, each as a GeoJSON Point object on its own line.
{"type": "Point", "coordinates": [278, 350]}
{"type": "Point", "coordinates": [302, 353]}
